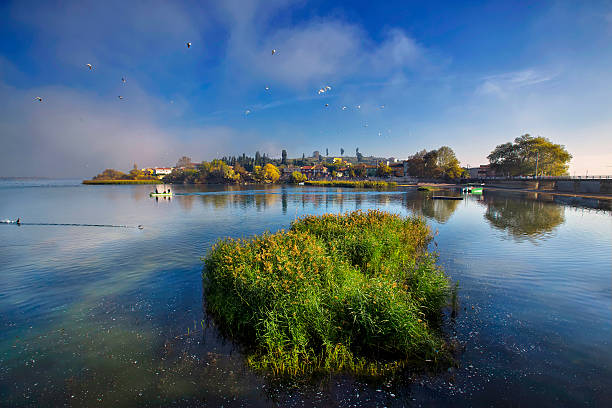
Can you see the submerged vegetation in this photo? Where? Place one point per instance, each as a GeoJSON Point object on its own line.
{"type": "Point", "coordinates": [353, 184]}
{"type": "Point", "coordinates": [355, 292]}
{"type": "Point", "coordinates": [427, 188]}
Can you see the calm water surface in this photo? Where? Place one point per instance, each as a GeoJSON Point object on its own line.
{"type": "Point", "coordinates": [114, 316]}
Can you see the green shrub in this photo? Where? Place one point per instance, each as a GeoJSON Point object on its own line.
{"type": "Point", "coordinates": [352, 292]}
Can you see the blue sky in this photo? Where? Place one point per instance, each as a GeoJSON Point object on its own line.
{"type": "Point", "coordinates": [469, 76]}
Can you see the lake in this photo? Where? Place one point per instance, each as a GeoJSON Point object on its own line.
{"type": "Point", "coordinates": [114, 315]}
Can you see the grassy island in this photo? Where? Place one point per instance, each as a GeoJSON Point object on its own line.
{"type": "Point", "coordinates": [353, 184]}
{"type": "Point", "coordinates": [355, 292]}
{"type": "Point", "coordinates": [96, 182]}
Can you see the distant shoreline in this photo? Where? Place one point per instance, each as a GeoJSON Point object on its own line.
{"type": "Point", "coordinates": [99, 182]}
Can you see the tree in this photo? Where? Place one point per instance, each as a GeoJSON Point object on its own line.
{"type": "Point", "coordinates": [383, 170]}
{"type": "Point", "coordinates": [257, 158]}
{"type": "Point", "coordinates": [416, 164]}
{"type": "Point", "coordinates": [111, 174]}
{"type": "Point", "coordinates": [341, 151]}
{"type": "Point", "coordinates": [271, 172]}
{"type": "Point", "coordinates": [361, 171]}
{"type": "Point", "coordinates": [266, 174]}
{"type": "Point", "coordinates": [432, 170]}
{"type": "Point", "coordinates": [239, 169]}
{"type": "Point", "coordinates": [284, 157]}
{"type": "Point", "coordinates": [448, 163]}
{"type": "Point", "coordinates": [136, 174]}
{"type": "Point", "coordinates": [297, 177]}
{"type": "Point", "coordinates": [359, 155]}
{"type": "Point", "coordinates": [218, 170]}
{"type": "Point", "coordinates": [184, 162]}
{"type": "Point", "coordinates": [529, 155]}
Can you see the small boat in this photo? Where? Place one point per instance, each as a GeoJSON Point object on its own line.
{"type": "Point", "coordinates": [447, 197]}
{"type": "Point", "coordinates": [161, 194]}
{"type": "Point", "coordinates": [476, 190]}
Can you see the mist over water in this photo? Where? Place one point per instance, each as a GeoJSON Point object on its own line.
{"type": "Point", "coordinates": [98, 316]}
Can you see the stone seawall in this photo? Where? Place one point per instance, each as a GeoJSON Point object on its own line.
{"type": "Point", "coordinates": [597, 186]}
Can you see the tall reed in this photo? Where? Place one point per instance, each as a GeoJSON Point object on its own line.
{"type": "Point", "coordinates": [355, 292]}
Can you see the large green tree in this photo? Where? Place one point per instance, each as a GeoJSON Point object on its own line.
{"type": "Point", "coordinates": [448, 163]}
{"type": "Point", "coordinates": [530, 155]}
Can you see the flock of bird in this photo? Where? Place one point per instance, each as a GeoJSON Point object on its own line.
{"type": "Point", "coordinates": [321, 91]}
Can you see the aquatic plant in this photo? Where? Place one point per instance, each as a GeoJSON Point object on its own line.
{"type": "Point", "coordinates": [355, 292]}
{"type": "Point", "coordinates": [353, 184]}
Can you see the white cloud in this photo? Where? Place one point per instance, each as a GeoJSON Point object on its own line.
{"type": "Point", "coordinates": [314, 53]}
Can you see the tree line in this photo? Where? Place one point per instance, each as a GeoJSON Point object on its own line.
{"type": "Point", "coordinates": [527, 155]}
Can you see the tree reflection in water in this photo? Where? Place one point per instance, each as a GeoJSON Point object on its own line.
{"type": "Point", "coordinates": [439, 210]}
{"type": "Point", "coordinates": [524, 217]}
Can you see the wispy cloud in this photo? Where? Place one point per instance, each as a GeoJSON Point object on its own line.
{"type": "Point", "coordinates": [502, 85]}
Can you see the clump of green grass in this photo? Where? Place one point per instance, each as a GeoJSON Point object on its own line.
{"type": "Point", "coordinates": [355, 292]}
{"type": "Point", "coordinates": [427, 188]}
{"type": "Point", "coordinates": [95, 182]}
{"type": "Point", "coordinates": [353, 184]}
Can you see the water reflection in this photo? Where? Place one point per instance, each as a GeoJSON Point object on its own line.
{"type": "Point", "coordinates": [111, 317]}
{"type": "Point", "coordinates": [532, 218]}
{"type": "Point", "coordinates": [439, 210]}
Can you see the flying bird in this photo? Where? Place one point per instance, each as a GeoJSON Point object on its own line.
{"type": "Point", "coordinates": [382, 106]}
{"type": "Point", "coordinates": [188, 45]}
{"type": "Point", "coordinates": [273, 52]}
{"type": "Point", "coordinates": [123, 80]}
{"type": "Point", "coordinates": [358, 106]}
{"type": "Point", "coordinates": [324, 89]}
{"type": "Point", "coordinates": [89, 66]}
{"type": "Point", "coordinates": [344, 108]}
{"type": "Point", "coordinates": [267, 88]}
{"type": "Point", "coordinates": [327, 105]}
{"type": "Point", "coordinates": [246, 112]}
{"type": "Point", "coordinates": [365, 125]}
{"type": "Point", "coordinates": [38, 98]}
{"type": "Point", "coordinates": [120, 97]}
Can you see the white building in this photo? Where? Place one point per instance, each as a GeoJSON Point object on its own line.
{"type": "Point", "coordinates": [162, 171]}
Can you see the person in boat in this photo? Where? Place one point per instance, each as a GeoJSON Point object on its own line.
{"type": "Point", "coordinates": [18, 222]}
{"type": "Point", "coordinates": [156, 192]}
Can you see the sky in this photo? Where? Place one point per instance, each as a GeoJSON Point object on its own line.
{"type": "Point", "coordinates": [469, 75]}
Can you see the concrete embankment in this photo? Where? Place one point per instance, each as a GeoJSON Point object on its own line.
{"type": "Point", "coordinates": [600, 188]}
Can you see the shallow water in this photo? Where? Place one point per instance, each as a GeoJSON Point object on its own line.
{"type": "Point", "coordinates": [92, 315]}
